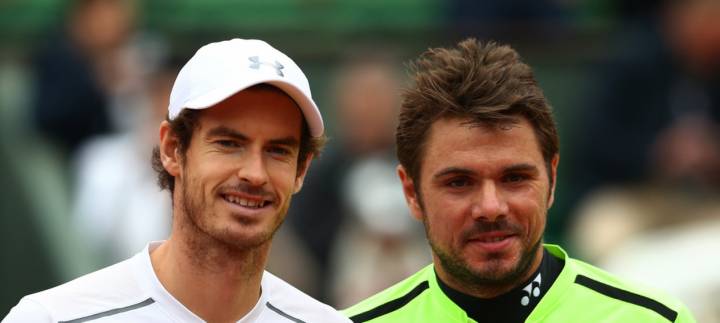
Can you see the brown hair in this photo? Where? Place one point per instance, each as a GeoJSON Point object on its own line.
{"type": "Point", "coordinates": [184, 125]}
{"type": "Point", "coordinates": [484, 83]}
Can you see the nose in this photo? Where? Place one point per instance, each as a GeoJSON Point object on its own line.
{"type": "Point", "coordinates": [490, 203]}
{"type": "Point", "coordinates": [253, 170]}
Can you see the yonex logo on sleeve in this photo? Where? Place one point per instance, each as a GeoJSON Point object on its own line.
{"type": "Point", "coordinates": [255, 63]}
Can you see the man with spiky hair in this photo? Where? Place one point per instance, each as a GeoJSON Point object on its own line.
{"type": "Point", "coordinates": [479, 153]}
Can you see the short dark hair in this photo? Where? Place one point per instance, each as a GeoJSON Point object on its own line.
{"type": "Point", "coordinates": [184, 125]}
{"type": "Point", "coordinates": [485, 83]}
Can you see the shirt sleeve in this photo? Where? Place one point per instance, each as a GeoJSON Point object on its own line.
{"type": "Point", "coordinates": [684, 316]}
{"type": "Point", "coordinates": [27, 311]}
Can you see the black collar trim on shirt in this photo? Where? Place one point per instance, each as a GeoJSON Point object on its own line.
{"type": "Point", "coordinates": [626, 296]}
{"type": "Point", "coordinates": [391, 306]}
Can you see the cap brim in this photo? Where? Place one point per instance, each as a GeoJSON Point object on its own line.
{"type": "Point", "coordinates": [307, 105]}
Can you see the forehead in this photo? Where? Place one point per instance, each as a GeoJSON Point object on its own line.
{"type": "Point", "coordinates": [457, 143]}
{"type": "Point", "coordinates": [264, 109]}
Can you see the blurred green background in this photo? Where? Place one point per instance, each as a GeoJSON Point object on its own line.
{"type": "Point", "coordinates": [39, 251]}
{"type": "Point", "coordinates": [569, 43]}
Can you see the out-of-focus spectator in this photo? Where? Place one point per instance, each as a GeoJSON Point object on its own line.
{"type": "Point", "coordinates": [91, 78]}
{"type": "Point", "coordinates": [79, 68]}
{"type": "Point", "coordinates": [352, 204]}
{"type": "Point", "coordinates": [652, 160]}
{"type": "Point", "coordinates": [118, 205]}
{"type": "Point", "coordinates": [663, 90]}
{"type": "Point", "coordinates": [28, 264]}
{"type": "Point", "coordinates": [381, 243]}
{"type": "Point", "coordinates": [658, 121]}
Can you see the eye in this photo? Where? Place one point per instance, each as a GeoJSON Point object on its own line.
{"type": "Point", "coordinates": [514, 178]}
{"type": "Point", "coordinates": [458, 182]}
{"type": "Point", "coordinates": [227, 143]}
{"type": "Point", "coordinates": [280, 151]}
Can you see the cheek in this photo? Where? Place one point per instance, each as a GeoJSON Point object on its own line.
{"type": "Point", "coordinates": [282, 176]}
{"type": "Point", "coordinates": [211, 172]}
{"type": "Point", "coordinates": [530, 210]}
{"type": "Point", "coordinates": [446, 217]}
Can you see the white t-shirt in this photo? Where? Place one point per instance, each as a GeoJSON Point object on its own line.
{"type": "Point", "coordinates": [129, 291]}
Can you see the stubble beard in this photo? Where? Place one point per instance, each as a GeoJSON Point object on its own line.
{"type": "Point", "coordinates": [204, 235]}
{"type": "Point", "coordinates": [493, 275]}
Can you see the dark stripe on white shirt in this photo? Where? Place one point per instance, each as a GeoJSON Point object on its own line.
{"type": "Point", "coordinates": [111, 312]}
{"type": "Point", "coordinates": [283, 314]}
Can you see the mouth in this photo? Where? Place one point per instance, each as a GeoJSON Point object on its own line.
{"type": "Point", "coordinates": [247, 202]}
{"type": "Point", "coordinates": [493, 241]}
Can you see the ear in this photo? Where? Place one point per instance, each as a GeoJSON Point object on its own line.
{"type": "Point", "coordinates": [553, 169]}
{"type": "Point", "coordinates": [169, 154]}
{"type": "Point", "coordinates": [411, 195]}
{"type": "Point", "coordinates": [300, 178]}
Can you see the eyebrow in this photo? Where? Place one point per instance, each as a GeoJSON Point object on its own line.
{"type": "Point", "coordinates": [454, 171]}
{"type": "Point", "coordinates": [222, 131]}
{"type": "Point", "coordinates": [287, 141]}
{"type": "Point", "coordinates": [523, 167]}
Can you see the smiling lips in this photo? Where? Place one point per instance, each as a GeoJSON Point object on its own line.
{"type": "Point", "coordinates": [492, 236]}
{"type": "Point", "coordinates": [254, 203]}
{"type": "Point", "coordinates": [495, 241]}
{"type": "Point", "coordinates": [492, 239]}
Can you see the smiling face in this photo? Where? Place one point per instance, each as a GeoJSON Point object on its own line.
{"type": "Point", "coordinates": [236, 179]}
{"type": "Point", "coordinates": [483, 196]}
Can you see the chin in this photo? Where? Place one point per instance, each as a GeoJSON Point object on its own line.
{"type": "Point", "coordinates": [244, 241]}
{"type": "Point", "coordinates": [255, 234]}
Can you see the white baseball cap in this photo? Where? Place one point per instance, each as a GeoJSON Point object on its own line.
{"type": "Point", "coordinates": [219, 70]}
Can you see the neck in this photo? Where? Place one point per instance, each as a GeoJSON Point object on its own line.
{"type": "Point", "coordinates": [209, 277]}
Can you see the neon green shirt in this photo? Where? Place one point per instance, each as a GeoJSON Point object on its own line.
{"type": "Point", "coordinates": [581, 293]}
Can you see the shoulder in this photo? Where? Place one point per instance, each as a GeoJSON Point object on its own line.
{"type": "Point", "coordinates": [28, 310]}
{"type": "Point", "coordinates": [102, 290]}
{"type": "Point", "coordinates": [392, 299]}
{"type": "Point", "coordinates": [613, 294]}
{"type": "Point", "coordinates": [288, 301]}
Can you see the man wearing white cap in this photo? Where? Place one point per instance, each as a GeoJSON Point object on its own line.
{"type": "Point", "coordinates": [242, 129]}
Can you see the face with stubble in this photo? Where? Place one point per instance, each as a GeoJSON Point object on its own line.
{"type": "Point", "coordinates": [483, 196]}
{"type": "Point", "coordinates": [241, 168]}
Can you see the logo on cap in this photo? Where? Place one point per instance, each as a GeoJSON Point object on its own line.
{"type": "Point", "coordinates": [255, 63]}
